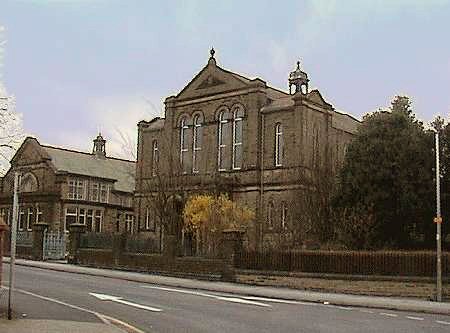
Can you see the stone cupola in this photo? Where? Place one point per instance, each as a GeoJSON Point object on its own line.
{"type": "Point", "coordinates": [99, 146]}
{"type": "Point", "coordinates": [299, 80]}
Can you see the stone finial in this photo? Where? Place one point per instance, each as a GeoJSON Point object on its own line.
{"type": "Point", "coordinates": [212, 60]}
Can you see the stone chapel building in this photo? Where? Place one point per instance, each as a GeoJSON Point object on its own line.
{"type": "Point", "coordinates": [227, 131]}
{"type": "Point", "coordinates": [59, 187]}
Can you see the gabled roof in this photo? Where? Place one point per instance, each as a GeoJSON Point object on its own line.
{"type": "Point", "coordinates": [80, 163]}
{"type": "Point", "coordinates": [84, 164]}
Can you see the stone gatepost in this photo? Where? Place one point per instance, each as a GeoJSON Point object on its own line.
{"type": "Point", "coordinates": [118, 247]}
{"type": "Point", "coordinates": [38, 240]}
{"type": "Point", "coordinates": [231, 246]}
{"type": "Point", "coordinates": [3, 230]}
{"type": "Point", "coordinates": [75, 232]}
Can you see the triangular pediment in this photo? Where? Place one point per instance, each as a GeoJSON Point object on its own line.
{"type": "Point", "coordinates": [212, 80]}
{"type": "Point", "coordinates": [209, 82]}
{"type": "Point", "coordinates": [30, 152]}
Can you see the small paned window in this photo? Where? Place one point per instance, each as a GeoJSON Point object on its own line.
{"type": "Point", "coordinates": [104, 192]}
{"type": "Point", "coordinates": [95, 191]}
{"type": "Point", "coordinates": [76, 189]}
{"type": "Point", "coordinates": [38, 214]}
{"type": "Point", "coordinates": [21, 219]}
{"type": "Point", "coordinates": [98, 221]}
{"type": "Point", "coordinates": [30, 219]}
{"type": "Point", "coordinates": [90, 220]}
{"type": "Point", "coordinates": [71, 217]}
{"type": "Point", "coordinates": [129, 223]}
{"type": "Point", "coordinates": [82, 216]}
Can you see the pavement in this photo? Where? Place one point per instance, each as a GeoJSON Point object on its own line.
{"type": "Point", "coordinates": [54, 326]}
{"type": "Point", "coordinates": [388, 303]}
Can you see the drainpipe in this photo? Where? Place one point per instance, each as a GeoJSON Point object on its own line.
{"type": "Point", "coordinates": [261, 185]}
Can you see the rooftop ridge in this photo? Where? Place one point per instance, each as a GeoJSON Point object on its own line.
{"type": "Point", "coordinates": [85, 153]}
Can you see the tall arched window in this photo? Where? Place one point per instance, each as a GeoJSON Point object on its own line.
{"type": "Point", "coordinates": [196, 143]}
{"type": "Point", "coordinates": [224, 137]}
{"type": "Point", "coordinates": [155, 157]}
{"type": "Point", "coordinates": [238, 115]}
{"type": "Point", "coordinates": [270, 210]}
{"type": "Point", "coordinates": [28, 183]}
{"type": "Point", "coordinates": [284, 212]}
{"type": "Point", "coordinates": [279, 144]}
{"type": "Point", "coordinates": [184, 145]}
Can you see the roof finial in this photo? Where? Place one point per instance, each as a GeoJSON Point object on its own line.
{"type": "Point", "coordinates": [212, 52]}
{"type": "Point", "coordinates": [298, 64]}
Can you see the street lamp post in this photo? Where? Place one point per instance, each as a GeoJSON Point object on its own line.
{"type": "Point", "coordinates": [13, 242]}
{"type": "Point", "coordinates": [438, 221]}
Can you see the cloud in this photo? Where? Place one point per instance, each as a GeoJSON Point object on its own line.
{"type": "Point", "coordinates": [117, 117]}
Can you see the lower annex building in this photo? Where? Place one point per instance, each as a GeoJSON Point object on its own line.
{"type": "Point", "coordinates": [59, 187]}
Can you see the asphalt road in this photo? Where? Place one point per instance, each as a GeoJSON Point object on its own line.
{"type": "Point", "coordinates": [153, 308]}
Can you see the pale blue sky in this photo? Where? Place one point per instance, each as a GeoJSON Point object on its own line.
{"type": "Point", "coordinates": [77, 65]}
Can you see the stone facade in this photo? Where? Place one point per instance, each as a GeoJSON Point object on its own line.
{"type": "Point", "coordinates": [60, 187]}
{"type": "Point", "coordinates": [229, 133]}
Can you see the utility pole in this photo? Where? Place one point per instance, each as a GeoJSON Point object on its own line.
{"type": "Point", "coordinates": [438, 221]}
{"type": "Point", "coordinates": [13, 242]}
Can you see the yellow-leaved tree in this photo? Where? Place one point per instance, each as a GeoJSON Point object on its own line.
{"type": "Point", "coordinates": [207, 216]}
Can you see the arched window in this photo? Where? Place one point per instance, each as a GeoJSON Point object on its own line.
{"type": "Point", "coordinates": [155, 157]}
{"type": "Point", "coordinates": [279, 145]}
{"type": "Point", "coordinates": [238, 115]}
{"type": "Point", "coordinates": [284, 212]}
{"type": "Point", "coordinates": [270, 210]}
{"type": "Point", "coordinates": [28, 183]}
{"type": "Point", "coordinates": [196, 143]}
{"type": "Point", "coordinates": [184, 145]}
{"type": "Point", "coordinates": [224, 137]}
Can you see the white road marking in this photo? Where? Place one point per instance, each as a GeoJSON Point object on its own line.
{"type": "Point", "coordinates": [220, 298]}
{"type": "Point", "coordinates": [343, 308]}
{"type": "Point", "coordinates": [388, 314]}
{"type": "Point", "coordinates": [366, 311]}
{"type": "Point", "coordinates": [242, 301]}
{"type": "Point", "coordinates": [277, 300]}
{"type": "Point", "coordinates": [102, 317]}
{"type": "Point", "coordinates": [414, 318]}
{"type": "Point", "coordinates": [120, 300]}
{"type": "Point", "coordinates": [442, 322]}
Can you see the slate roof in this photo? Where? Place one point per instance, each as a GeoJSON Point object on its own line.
{"type": "Point", "coordinates": [81, 163]}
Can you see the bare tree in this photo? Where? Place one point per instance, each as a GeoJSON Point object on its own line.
{"type": "Point", "coordinates": [11, 131]}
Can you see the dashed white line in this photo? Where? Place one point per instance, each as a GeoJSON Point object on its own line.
{"type": "Point", "coordinates": [414, 318]}
{"type": "Point", "coordinates": [388, 314]}
{"type": "Point", "coordinates": [366, 311]}
{"type": "Point", "coordinates": [442, 322]}
{"type": "Point", "coordinates": [277, 300]}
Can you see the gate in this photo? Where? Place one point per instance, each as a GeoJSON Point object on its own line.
{"type": "Point", "coordinates": [54, 246]}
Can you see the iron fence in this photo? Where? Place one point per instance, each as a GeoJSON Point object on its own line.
{"type": "Point", "coordinates": [390, 263]}
{"type": "Point", "coordinates": [95, 240]}
{"type": "Point", "coordinates": [136, 243]}
{"type": "Point", "coordinates": [24, 238]}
